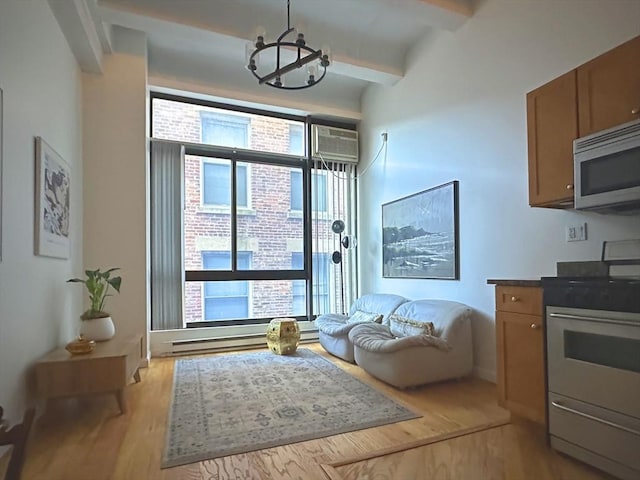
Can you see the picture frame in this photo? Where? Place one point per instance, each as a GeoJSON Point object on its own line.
{"type": "Point", "coordinates": [52, 215]}
{"type": "Point", "coordinates": [1, 151]}
{"type": "Point", "coordinates": [420, 235]}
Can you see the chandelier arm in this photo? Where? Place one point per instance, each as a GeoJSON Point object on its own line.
{"type": "Point", "coordinates": [301, 87]}
{"type": "Point", "coordinates": [278, 72]}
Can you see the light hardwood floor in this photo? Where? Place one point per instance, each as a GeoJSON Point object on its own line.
{"type": "Point", "coordinates": [89, 439]}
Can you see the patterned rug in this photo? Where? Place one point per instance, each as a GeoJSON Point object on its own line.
{"type": "Point", "coordinates": [233, 404]}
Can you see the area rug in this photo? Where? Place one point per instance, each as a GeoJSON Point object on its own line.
{"type": "Point", "coordinates": [239, 403]}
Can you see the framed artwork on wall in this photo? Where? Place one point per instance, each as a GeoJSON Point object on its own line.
{"type": "Point", "coordinates": [52, 202]}
{"type": "Point", "coordinates": [420, 235]}
{"type": "Point", "coordinates": [1, 150]}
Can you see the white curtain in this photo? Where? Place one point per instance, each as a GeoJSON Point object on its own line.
{"type": "Point", "coordinates": [167, 270]}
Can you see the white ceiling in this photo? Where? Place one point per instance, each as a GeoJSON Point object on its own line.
{"type": "Point", "coordinates": [201, 44]}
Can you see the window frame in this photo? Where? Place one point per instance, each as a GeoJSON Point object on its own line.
{"type": "Point", "coordinates": [253, 156]}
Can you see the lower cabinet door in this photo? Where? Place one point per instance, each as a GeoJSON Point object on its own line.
{"type": "Point", "coordinates": [520, 360]}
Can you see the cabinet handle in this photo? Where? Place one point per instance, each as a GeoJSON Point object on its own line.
{"type": "Point", "coordinates": [515, 299]}
{"type": "Point", "coordinates": [635, 111]}
{"type": "Point", "coordinates": [570, 186]}
{"type": "Point", "coordinates": [535, 326]}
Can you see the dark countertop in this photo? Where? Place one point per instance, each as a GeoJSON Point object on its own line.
{"type": "Point", "coordinates": [516, 283]}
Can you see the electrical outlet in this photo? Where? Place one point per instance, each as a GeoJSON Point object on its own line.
{"type": "Point", "coordinates": [576, 232]}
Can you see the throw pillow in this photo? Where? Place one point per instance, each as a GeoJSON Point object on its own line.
{"type": "Point", "coordinates": [406, 327]}
{"type": "Point", "coordinates": [360, 316]}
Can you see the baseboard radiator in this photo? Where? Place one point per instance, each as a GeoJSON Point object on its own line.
{"type": "Point", "coordinates": [224, 344]}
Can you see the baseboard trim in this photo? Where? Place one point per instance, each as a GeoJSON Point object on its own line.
{"type": "Point", "coordinates": [485, 374]}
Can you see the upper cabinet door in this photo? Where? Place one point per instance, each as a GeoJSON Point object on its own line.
{"type": "Point", "coordinates": [552, 125]}
{"type": "Point", "coordinates": [609, 88]}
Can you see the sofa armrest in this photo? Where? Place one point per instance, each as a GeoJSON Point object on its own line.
{"type": "Point", "coordinates": [378, 338]}
{"type": "Point", "coordinates": [334, 324]}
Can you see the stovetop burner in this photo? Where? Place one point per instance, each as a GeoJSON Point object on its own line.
{"type": "Point", "coordinates": [594, 293]}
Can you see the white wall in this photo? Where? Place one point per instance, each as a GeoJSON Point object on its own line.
{"type": "Point", "coordinates": [41, 84]}
{"type": "Point", "coordinates": [115, 172]}
{"type": "Point", "coordinates": [459, 114]}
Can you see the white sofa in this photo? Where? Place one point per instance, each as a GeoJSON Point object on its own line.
{"type": "Point", "coordinates": [333, 328]}
{"type": "Point", "coordinates": [410, 360]}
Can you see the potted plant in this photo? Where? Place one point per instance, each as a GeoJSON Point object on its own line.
{"type": "Point", "coordinates": [96, 323]}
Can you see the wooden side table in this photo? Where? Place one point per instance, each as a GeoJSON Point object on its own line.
{"type": "Point", "coordinates": [107, 369]}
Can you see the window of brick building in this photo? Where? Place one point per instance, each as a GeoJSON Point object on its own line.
{"type": "Point", "coordinates": [224, 130]}
{"type": "Point", "coordinates": [318, 191]}
{"type": "Point", "coordinates": [216, 183]}
{"type": "Point", "coordinates": [296, 140]}
{"type": "Point", "coordinates": [225, 300]}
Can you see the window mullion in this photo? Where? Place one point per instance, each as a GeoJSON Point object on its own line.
{"type": "Point", "coordinates": [234, 216]}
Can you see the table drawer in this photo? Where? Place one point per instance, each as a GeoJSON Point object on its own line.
{"type": "Point", "coordinates": [519, 299]}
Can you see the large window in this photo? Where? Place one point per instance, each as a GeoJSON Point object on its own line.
{"type": "Point", "coordinates": [237, 216]}
{"type": "Point", "coordinates": [225, 300]}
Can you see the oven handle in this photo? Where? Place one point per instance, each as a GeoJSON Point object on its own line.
{"type": "Point", "coordinates": [592, 319]}
{"type": "Point", "coordinates": [595, 419]}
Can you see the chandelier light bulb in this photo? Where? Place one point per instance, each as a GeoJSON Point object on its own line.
{"type": "Point", "coordinates": [312, 70]}
{"type": "Point", "coordinates": [300, 29]}
{"type": "Point", "coordinates": [325, 59]}
{"type": "Point", "coordinates": [260, 35]}
{"type": "Point", "coordinates": [252, 62]}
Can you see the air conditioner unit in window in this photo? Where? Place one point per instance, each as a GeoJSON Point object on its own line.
{"type": "Point", "coordinates": [337, 144]}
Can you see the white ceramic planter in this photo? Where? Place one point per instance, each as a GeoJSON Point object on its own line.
{"type": "Point", "coordinates": [98, 329]}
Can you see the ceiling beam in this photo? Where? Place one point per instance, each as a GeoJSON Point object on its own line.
{"type": "Point", "coordinates": [234, 42]}
{"type": "Point", "coordinates": [451, 5]}
{"type": "Point", "coordinates": [78, 27]}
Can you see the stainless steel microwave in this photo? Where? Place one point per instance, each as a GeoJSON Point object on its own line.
{"type": "Point", "coordinates": [607, 170]}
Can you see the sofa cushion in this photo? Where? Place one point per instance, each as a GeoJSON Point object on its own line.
{"type": "Point", "coordinates": [374, 337]}
{"type": "Point", "coordinates": [360, 316]}
{"type": "Point", "coordinates": [384, 303]}
{"type": "Point", "coordinates": [333, 324]}
{"type": "Point", "coordinates": [407, 327]}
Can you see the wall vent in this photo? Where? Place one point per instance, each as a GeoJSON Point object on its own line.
{"type": "Point", "coordinates": [337, 144]}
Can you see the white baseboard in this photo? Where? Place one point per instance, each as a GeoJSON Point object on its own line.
{"type": "Point", "coordinates": [485, 374]}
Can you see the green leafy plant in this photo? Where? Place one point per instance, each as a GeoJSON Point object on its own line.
{"type": "Point", "coordinates": [98, 284]}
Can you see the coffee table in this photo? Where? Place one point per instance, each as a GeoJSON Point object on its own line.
{"type": "Point", "coordinates": [107, 369]}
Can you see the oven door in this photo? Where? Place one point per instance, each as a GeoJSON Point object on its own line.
{"type": "Point", "coordinates": [594, 356]}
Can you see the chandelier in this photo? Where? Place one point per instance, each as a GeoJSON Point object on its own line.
{"type": "Point", "coordinates": [281, 52]}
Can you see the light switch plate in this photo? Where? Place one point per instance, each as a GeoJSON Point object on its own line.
{"type": "Point", "coordinates": [576, 232]}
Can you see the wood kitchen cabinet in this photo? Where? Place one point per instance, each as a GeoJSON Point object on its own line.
{"type": "Point", "coordinates": [609, 89]}
{"type": "Point", "coordinates": [552, 124]}
{"type": "Point", "coordinates": [599, 94]}
{"type": "Point", "coordinates": [520, 351]}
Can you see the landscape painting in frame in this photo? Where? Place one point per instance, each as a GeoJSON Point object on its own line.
{"type": "Point", "coordinates": [420, 235]}
{"type": "Point", "coordinates": [52, 202]}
